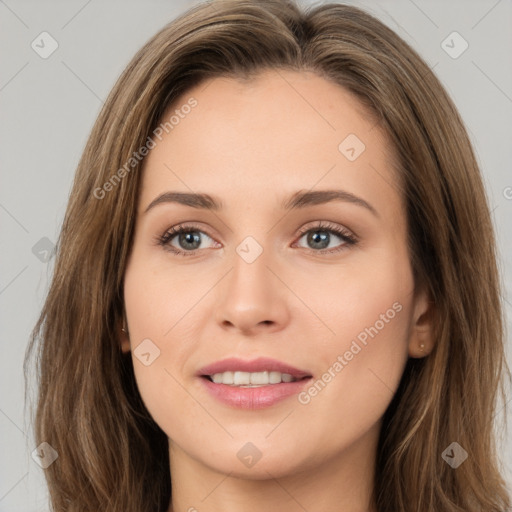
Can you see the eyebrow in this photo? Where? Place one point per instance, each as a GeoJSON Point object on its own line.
{"type": "Point", "coordinates": [300, 199]}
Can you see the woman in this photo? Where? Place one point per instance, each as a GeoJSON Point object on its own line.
{"type": "Point", "coordinates": [276, 281]}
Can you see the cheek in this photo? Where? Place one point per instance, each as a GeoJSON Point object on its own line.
{"type": "Point", "coordinates": [159, 297]}
{"type": "Point", "coordinates": [368, 301]}
{"type": "Point", "coordinates": [162, 308]}
{"type": "Point", "coordinates": [362, 361]}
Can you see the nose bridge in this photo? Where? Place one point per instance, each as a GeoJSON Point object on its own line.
{"type": "Point", "coordinates": [249, 280]}
{"type": "Point", "coordinates": [252, 250]}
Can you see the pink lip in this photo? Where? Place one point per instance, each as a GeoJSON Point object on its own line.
{"type": "Point", "coordinates": [253, 398]}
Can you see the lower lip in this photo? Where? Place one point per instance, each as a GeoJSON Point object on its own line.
{"type": "Point", "coordinates": [254, 398]}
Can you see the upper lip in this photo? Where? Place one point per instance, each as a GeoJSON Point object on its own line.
{"type": "Point", "coordinates": [261, 364]}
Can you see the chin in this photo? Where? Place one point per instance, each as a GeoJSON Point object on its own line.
{"type": "Point", "coordinates": [261, 470]}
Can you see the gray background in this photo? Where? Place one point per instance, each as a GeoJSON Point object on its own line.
{"type": "Point", "coordinates": [48, 107]}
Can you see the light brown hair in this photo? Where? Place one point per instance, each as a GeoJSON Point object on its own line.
{"type": "Point", "coordinates": [112, 455]}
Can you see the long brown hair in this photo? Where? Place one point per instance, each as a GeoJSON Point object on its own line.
{"type": "Point", "coordinates": [112, 455]}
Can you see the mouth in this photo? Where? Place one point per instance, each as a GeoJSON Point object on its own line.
{"type": "Point", "coordinates": [256, 384]}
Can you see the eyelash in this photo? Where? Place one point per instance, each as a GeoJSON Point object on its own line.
{"type": "Point", "coordinates": [344, 234]}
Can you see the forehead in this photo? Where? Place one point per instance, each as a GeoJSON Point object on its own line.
{"type": "Point", "coordinates": [278, 131]}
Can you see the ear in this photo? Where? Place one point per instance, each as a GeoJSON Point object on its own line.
{"type": "Point", "coordinates": [124, 338]}
{"type": "Point", "coordinates": [421, 340]}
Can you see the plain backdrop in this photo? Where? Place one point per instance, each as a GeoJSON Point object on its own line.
{"type": "Point", "coordinates": [48, 107]}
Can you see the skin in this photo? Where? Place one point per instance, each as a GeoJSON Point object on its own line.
{"type": "Point", "coordinates": [253, 144]}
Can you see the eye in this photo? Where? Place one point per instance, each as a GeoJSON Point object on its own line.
{"type": "Point", "coordinates": [188, 238]}
{"type": "Point", "coordinates": [319, 237]}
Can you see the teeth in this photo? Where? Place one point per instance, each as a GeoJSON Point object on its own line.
{"type": "Point", "coordinates": [241, 378]}
{"type": "Point", "coordinates": [255, 379]}
{"type": "Point", "coordinates": [274, 377]}
{"type": "Point", "coordinates": [223, 378]}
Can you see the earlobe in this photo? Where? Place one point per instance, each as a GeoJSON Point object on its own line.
{"type": "Point", "coordinates": [124, 338]}
{"type": "Point", "coordinates": [421, 340]}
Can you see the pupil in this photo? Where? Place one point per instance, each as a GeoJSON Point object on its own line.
{"type": "Point", "coordinates": [190, 238]}
{"type": "Point", "coordinates": [322, 239]}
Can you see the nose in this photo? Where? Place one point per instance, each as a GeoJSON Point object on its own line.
{"type": "Point", "coordinates": [252, 299]}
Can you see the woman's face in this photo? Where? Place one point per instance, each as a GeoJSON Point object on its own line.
{"type": "Point", "coordinates": [256, 277]}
